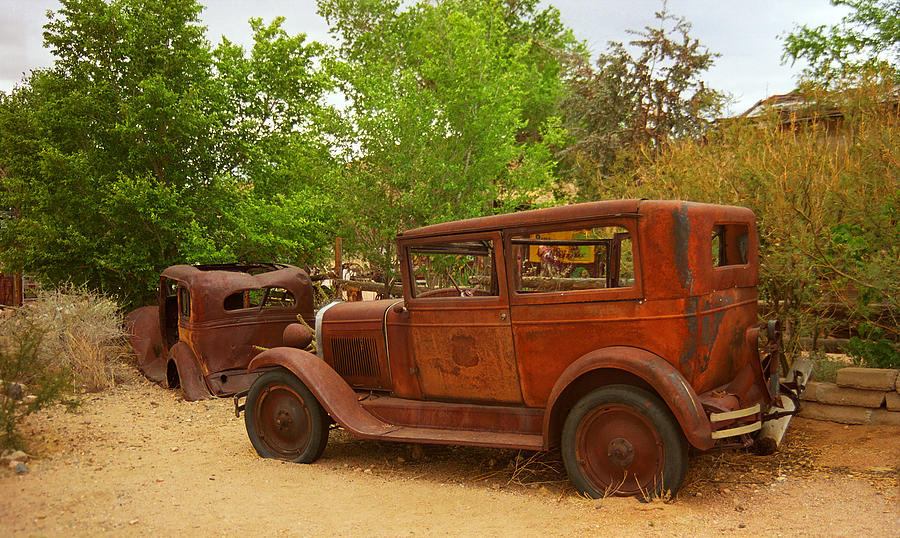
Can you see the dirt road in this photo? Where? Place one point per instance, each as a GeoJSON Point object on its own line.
{"type": "Point", "coordinates": [139, 460]}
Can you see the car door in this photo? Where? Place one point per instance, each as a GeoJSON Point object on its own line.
{"type": "Point", "coordinates": [460, 338]}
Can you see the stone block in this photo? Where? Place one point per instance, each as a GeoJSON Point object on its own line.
{"type": "Point", "coordinates": [892, 401]}
{"type": "Point", "coordinates": [836, 413]}
{"type": "Point", "coordinates": [810, 393]}
{"type": "Point", "coordinates": [867, 378]}
{"type": "Point", "coordinates": [883, 416]}
{"type": "Point", "coordinates": [829, 393]}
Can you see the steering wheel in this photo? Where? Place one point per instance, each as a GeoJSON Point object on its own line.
{"type": "Point", "coordinates": [467, 292]}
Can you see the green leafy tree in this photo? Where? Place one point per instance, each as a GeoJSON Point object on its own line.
{"type": "Point", "coordinates": [866, 40]}
{"type": "Point", "coordinates": [142, 147]}
{"type": "Point", "coordinates": [637, 100]}
{"type": "Point", "coordinates": [450, 108]}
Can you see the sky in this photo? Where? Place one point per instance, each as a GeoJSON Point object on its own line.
{"type": "Point", "coordinates": [745, 33]}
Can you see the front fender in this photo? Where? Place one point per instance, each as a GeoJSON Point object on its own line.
{"type": "Point", "coordinates": [329, 388]}
{"type": "Point", "coordinates": [142, 325]}
{"type": "Point", "coordinates": [668, 382]}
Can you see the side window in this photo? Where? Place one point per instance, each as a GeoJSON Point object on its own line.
{"type": "Point", "coordinates": [184, 302]}
{"type": "Point", "coordinates": [271, 297]}
{"type": "Point", "coordinates": [453, 269]}
{"type": "Point", "coordinates": [729, 244]}
{"type": "Point", "coordinates": [575, 259]}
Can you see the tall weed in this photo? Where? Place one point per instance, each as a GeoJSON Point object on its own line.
{"type": "Point", "coordinates": [67, 341]}
{"type": "Point", "coordinates": [824, 187]}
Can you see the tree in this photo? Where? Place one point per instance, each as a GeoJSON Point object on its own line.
{"type": "Point", "coordinates": [142, 147]}
{"type": "Point", "coordinates": [450, 106]}
{"type": "Point", "coordinates": [637, 102]}
{"type": "Point", "coordinates": [866, 40]}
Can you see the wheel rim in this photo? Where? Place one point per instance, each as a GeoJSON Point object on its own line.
{"type": "Point", "coordinates": [283, 421]}
{"type": "Point", "coordinates": [619, 451]}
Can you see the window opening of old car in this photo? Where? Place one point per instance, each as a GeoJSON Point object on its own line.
{"type": "Point", "coordinates": [574, 259]}
{"type": "Point", "coordinates": [455, 269]}
{"type": "Point", "coordinates": [184, 302]}
{"type": "Point", "coordinates": [269, 297]}
{"type": "Point", "coordinates": [729, 244]}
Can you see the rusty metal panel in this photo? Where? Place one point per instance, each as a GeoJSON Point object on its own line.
{"type": "Point", "coordinates": [9, 286]}
{"type": "Point", "coordinates": [354, 343]}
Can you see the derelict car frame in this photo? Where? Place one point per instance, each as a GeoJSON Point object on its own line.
{"type": "Point", "coordinates": [622, 331]}
{"type": "Point", "coordinates": [212, 319]}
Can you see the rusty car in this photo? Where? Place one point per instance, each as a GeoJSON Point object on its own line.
{"type": "Point", "coordinates": [211, 320]}
{"type": "Point", "coordinates": [622, 332]}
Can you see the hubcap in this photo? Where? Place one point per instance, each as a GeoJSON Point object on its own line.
{"type": "Point", "coordinates": [283, 421]}
{"type": "Point", "coordinates": [619, 450]}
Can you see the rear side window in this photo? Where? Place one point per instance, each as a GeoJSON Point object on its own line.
{"type": "Point", "coordinates": [730, 243]}
{"type": "Point", "coordinates": [576, 259]}
{"type": "Point", "coordinates": [271, 297]}
{"type": "Point", "coordinates": [184, 302]}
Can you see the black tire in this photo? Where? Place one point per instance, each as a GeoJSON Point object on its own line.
{"type": "Point", "coordinates": [622, 440]}
{"type": "Point", "coordinates": [284, 420]}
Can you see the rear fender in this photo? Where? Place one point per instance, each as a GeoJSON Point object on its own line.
{"type": "Point", "coordinates": [189, 374]}
{"type": "Point", "coordinates": [329, 388]}
{"type": "Point", "coordinates": [631, 363]}
{"type": "Point", "coordinates": [146, 339]}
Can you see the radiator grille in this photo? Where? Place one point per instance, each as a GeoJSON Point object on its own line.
{"type": "Point", "coordinates": [355, 357]}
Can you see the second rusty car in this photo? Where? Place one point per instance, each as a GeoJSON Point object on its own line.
{"type": "Point", "coordinates": [623, 332]}
{"type": "Point", "coordinates": [212, 319]}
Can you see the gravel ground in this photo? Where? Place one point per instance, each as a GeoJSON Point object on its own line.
{"type": "Point", "coordinates": [139, 460]}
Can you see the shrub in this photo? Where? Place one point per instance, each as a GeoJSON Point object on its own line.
{"type": "Point", "coordinates": [67, 341]}
{"type": "Point", "coordinates": [84, 334]}
{"type": "Point", "coordinates": [31, 378]}
{"type": "Point", "coordinates": [872, 349]}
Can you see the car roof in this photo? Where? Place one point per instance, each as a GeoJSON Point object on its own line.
{"type": "Point", "coordinates": [533, 217]}
{"type": "Point", "coordinates": [225, 278]}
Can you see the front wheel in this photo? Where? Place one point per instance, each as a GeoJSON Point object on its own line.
{"type": "Point", "coordinates": [284, 420]}
{"type": "Point", "coordinates": [622, 440]}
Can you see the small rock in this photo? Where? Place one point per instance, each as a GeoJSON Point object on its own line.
{"type": "Point", "coordinates": [369, 471]}
{"type": "Point", "coordinates": [741, 525]}
{"type": "Point", "coordinates": [29, 399]}
{"type": "Point", "coordinates": [726, 490]}
{"type": "Point", "coordinates": [20, 467]}
{"type": "Point", "coordinates": [15, 390]}
{"type": "Point", "coordinates": [18, 455]}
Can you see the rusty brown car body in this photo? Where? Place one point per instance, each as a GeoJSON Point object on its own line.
{"type": "Point", "coordinates": [622, 331]}
{"type": "Point", "coordinates": [212, 319]}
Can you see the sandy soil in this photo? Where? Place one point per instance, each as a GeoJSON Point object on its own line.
{"type": "Point", "coordinates": [139, 460]}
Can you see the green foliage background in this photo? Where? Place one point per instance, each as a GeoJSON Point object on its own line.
{"type": "Point", "coordinates": [144, 145]}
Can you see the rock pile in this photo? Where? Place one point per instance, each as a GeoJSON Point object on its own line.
{"type": "Point", "coordinates": [859, 396]}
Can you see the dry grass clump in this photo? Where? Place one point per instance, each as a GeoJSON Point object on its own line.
{"type": "Point", "coordinates": [83, 333]}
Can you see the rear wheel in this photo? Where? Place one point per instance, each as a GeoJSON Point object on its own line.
{"type": "Point", "coordinates": [622, 440]}
{"type": "Point", "coordinates": [284, 420]}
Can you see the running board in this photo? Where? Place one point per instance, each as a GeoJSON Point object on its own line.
{"type": "Point", "coordinates": [407, 434]}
